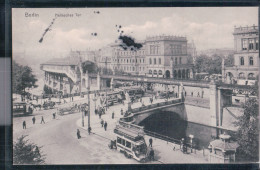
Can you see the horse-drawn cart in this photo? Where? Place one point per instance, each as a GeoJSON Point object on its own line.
{"type": "Point", "coordinates": [68, 109]}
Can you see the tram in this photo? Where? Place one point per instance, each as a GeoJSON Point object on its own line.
{"type": "Point", "coordinates": [21, 108]}
{"type": "Point", "coordinates": [131, 142]}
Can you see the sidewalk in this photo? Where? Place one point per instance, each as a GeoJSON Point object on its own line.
{"type": "Point", "coordinates": [164, 152]}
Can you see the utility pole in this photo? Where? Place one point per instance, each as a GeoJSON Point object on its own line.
{"type": "Point", "coordinates": [88, 100]}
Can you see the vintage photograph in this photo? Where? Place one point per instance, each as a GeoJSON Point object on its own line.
{"type": "Point", "coordinates": [170, 85]}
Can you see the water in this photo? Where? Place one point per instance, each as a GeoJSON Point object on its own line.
{"type": "Point", "coordinates": [172, 126]}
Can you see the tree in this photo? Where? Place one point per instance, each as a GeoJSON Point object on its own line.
{"type": "Point", "coordinates": [22, 78]}
{"type": "Point", "coordinates": [27, 153]}
{"type": "Point", "coordinates": [247, 134]}
{"type": "Point", "coordinates": [211, 65]}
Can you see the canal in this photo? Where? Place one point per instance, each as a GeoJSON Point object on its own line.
{"type": "Point", "coordinates": [172, 126]}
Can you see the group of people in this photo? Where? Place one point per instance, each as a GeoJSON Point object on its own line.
{"type": "Point", "coordinates": [103, 124]}
{"type": "Point", "coordinates": [34, 120]}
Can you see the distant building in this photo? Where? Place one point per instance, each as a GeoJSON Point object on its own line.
{"type": "Point", "coordinates": [246, 57]}
{"type": "Point", "coordinates": [191, 51]}
{"type": "Point", "coordinates": [160, 56]}
{"type": "Point", "coordinates": [218, 51]}
{"type": "Point", "coordinates": [167, 57]}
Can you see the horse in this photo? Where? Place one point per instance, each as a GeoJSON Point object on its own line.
{"type": "Point", "coordinates": [37, 105]}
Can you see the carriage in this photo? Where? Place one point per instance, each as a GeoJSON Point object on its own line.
{"type": "Point", "coordinates": [68, 109]}
{"type": "Point", "coordinates": [48, 105]}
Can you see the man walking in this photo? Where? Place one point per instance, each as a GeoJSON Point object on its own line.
{"type": "Point", "coordinates": [33, 119]}
{"type": "Point", "coordinates": [89, 130]}
{"type": "Point", "coordinates": [78, 134]}
{"type": "Point", "coordinates": [113, 115]}
{"type": "Point", "coordinates": [151, 142]}
{"type": "Point", "coordinates": [24, 124]}
{"type": "Point", "coordinates": [102, 122]}
{"type": "Point", "coordinates": [122, 111]}
{"type": "Point", "coordinates": [105, 126]}
{"type": "Point", "coordinates": [53, 115]}
{"type": "Point", "coordinates": [42, 120]}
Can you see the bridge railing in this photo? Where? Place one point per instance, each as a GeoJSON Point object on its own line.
{"type": "Point", "coordinates": [152, 106]}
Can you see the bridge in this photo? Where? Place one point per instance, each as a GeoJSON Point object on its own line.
{"type": "Point", "coordinates": [216, 94]}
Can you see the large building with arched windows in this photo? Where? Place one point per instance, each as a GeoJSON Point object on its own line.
{"type": "Point", "coordinates": [246, 58]}
{"type": "Point", "coordinates": [160, 56]}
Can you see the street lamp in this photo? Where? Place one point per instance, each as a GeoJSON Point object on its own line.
{"type": "Point", "coordinates": [82, 109]}
{"type": "Point", "coordinates": [95, 99]}
{"type": "Point", "coordinates": [191, 137]}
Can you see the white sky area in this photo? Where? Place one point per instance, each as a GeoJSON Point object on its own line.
{"type": "Point", "coordinates": [209, 27]}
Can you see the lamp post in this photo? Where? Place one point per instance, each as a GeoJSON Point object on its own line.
{"type": "Point", "coordinates": [88, 102]}
{"type": "Point", "coordinates": [95, 99]}
{"type": "Point", "coordinates": [82, 109]}
{"type": "Point", "coordinates": [191, 137]}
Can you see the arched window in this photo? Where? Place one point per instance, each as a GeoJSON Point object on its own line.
{"type": "Point", "coordinates": [155, 72]}
{"type": "Point", "coordinates": [241, 75]}
{"type": "Point", "coordinates": [150, 61]}
{"type": "Point", "coordinates": [251, 76]}
{"type": "Point", "coordinates": [180, 60]}
{"type": "Point", "coordinates": [251, 61]}
{"type": "Point", "coordinates": [242, 61]}
{"type": "Point", "coordinates": [154, 61]}
{"type": "Point", "coordinates": [150, 72]}
{"type": "Point", "coordinates": [160, 72]}
{"type": "Point", "coordinates": [160, 61]}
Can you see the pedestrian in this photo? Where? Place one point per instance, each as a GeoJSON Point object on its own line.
{"type": "Point", "coordinates": [99, 114]}
{"type": "Point", "coordinates": [37, 150]}
{"type": "Point", "coordinates": [122, 112]}
{"type": "Point", "coordinates": [96, 111]}
{"type": "Point", "coordinates": [53, 115]}
{"type": "Point", "coordinates": [152, 155]}
{"type": "Point", "coordinates": [191, 94]}
{"type": "Point", "coordinates": [37, 100]}
{"type": "Point", "coordinates": [89, 130]}
{"type": "Point", "coordinates": [151, 142]}
{"type": "Point", "coordinates": [33, 119]}
{"type": "Point", "coordinates": [102, 122]}
{"type": "Point", "coordinates": [113, 115]}
{"type": "Point", "coordinates": [185, 93]}
{"type": "Point", "coordinates": [198, 95]}
{"type": "Point", "coordinates": [42, 120]}
{"type": "Point", "coordinates": [105, 126]}
{"type": "Point", "coordinates": [72, 98]}
{"type": "Point", "coordinates": [24, 124]}
{"type": "Point", "coordinates": [78, 134]}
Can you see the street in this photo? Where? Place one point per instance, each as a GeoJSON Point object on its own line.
{"type": "Point", "coordinates": [61, 146]}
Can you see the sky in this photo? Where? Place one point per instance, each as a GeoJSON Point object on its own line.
{"type": "Point", "coordinates": [208, 27]}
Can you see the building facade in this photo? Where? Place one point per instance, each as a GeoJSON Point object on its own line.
{"type": "Point", "coordinates": [246, 58]}
{"type": "Point", "coordinates": [167, 57]}
{"type": "Point", "coordinates": [160, 56]}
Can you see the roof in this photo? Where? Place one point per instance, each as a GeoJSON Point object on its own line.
{"type": "Point", "coordinates": [63, 61]}
{"type": "Point", "coordinates": [224, 145]}
{"type": "Point", "coordinates": [128, 133]}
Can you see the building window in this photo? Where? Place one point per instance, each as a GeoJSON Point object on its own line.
{"type": "Point", "coordinates": [154, 61]}
{"type": "Point", "coordinates": [160, 61]}
{"type": "Point", "coordinates": [180, 60]}
{"type": "Point", "coordinates": [244, 44]}
{"type": "Point", "coordinates": [127, 60]}
{"type": "Point", "coordinates": [256, 44]}
{"type": "Point", "coordinates": [241, 75]}
{"type": "Point", "coordinates": [160, 72]}
{"type": "Point", "coordinates": [176, 60]}
{"type": "Point", "coordinates": [251, 44]}
{"type": "Point", "coordinates": [128, 144]}
{"type": "Point", "coordinates": [242, 62]}
{"type": "Point", "coordinates": [150, 61]}
{"type": "Point", "coordinates": [150, 72]}
{"type": "Point", "coordinates": [155, 72]}
{"type": "Point", "coordinates": [251, 61]}
{"type": "Point", "coordinates": [251, 76]}
{"type": "Point", "coordinates": [143, 60]}
{"type": "Point", "coordinates": [133, 69]}
{"type": "Point", "coordinates": [140, 61]}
